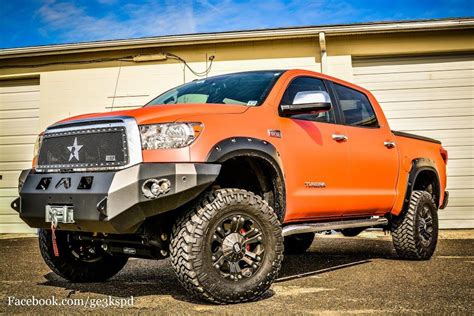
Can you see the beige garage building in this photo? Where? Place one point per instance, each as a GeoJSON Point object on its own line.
{"type": "Point", "coordinates": [422, 72]}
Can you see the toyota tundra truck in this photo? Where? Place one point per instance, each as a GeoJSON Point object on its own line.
{"type": "Point", "coordinates": [225, 175]}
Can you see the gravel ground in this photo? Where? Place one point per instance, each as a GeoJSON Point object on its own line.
{"type": "Point", "coordinates": [338, 275]}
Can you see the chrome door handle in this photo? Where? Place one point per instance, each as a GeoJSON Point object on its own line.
{"type": "Point", "coordinates": [339, 137]}
{"type": "Point", "coordinates": [389, 144]}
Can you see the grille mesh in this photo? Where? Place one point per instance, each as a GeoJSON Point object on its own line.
{"type": "Point", "coordinates": [85, 148]}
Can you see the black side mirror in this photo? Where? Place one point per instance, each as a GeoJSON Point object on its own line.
{"type": "Point", "coordinates": [308, 102]}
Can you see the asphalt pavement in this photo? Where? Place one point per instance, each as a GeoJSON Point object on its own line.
{"type": "Point", "coordinates": [338, 275]}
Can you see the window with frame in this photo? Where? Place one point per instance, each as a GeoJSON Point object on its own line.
{"type": "Point", "coordinates": [307, 84]}
{"type": "Point", "coordinates": [355, 107]}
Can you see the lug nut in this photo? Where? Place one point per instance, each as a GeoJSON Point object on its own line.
{"type": "Point", "coordinates": [164, 237]}
{"type": "Point", "coordinates": [164, 253]}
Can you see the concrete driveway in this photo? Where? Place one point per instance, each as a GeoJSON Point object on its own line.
{"type": "Point", "coordinates": [338, 275]}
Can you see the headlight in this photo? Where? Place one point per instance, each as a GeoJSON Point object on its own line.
{"type": "Point", "coordinates": [37, 147]}
{"type": "Point", "coordinates": [169, 135]}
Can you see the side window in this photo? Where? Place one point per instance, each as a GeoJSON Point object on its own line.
{"type": "Point", "coordinates": [306, 84]}
{"type": "Point", "coordinates": [356, 107]}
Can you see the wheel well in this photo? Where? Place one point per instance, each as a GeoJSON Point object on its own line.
{"type": "Point", "coordinates": [427, 180]}
{"type": "Point", "coordinates": [258, 175]}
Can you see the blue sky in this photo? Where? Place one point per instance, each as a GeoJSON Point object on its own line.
{"type": "Point", "coordinates": [35, 22]}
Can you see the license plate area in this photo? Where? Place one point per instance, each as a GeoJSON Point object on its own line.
{"type": "Point", "coordinates": [56, 214]}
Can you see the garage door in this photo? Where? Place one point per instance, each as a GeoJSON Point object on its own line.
{"type": "Point", "coordinates": [431, 96]}
{"type": "Point", "coordinates": [19, 125]}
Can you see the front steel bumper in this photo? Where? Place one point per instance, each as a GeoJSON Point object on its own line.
{"type": "Point", "coordinates": [113, 202]}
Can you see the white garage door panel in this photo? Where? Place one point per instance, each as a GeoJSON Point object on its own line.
{"type": "Point", "coordinates": [23, 100]}
{"type": "Point", "coordinates": [460, 167]}
{"type": "Point", "coordinates": [431, 104]}
{"type": "Point", "coordinates": [15, 165]}
{"type": "Point", "coordinates": [431, 96]}
{"type": "Point", "coordinates": [461, 198]}
{"type": "Point", "coordinates": [456, 224]}
{"type": "Point", "coordinates": [432, 123]}
{"type": "Point", "coordinates": [420, 64]}
{"type": "Point", "coordinates": [12, 114]}
{"type": "Point", "coordinates": [20, 152]}
{"type": "Point", "coordinates": [425, 94]}
{"type": "Point", "coordinates": [9, 219]}
{"type": "Point", "coordinates": [394, 78]}
{"type": "Point", "coordinates": [460, 152]}
{"type": "Point", "coordinates": [419, 84]}
{"type": "Point", "coordinates": [19, 124]}
{"type": "Point", "coordinates": [460, 182]}
{"type": "Point", "coordinates": [26, 126]}
{"type": "Point", "coordinates": [451, 137]}
{"type": "Point", "coordinates": [9, 192]}
{"type": "Point", "coordinates": [18, 139]}
{"type": "Point", "coordinates": [457, 213]}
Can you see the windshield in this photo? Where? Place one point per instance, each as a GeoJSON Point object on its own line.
{"type": "Point", "coordinates": [246, 88]}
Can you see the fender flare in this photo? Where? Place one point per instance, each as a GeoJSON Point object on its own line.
{"type": "Point", "coordinates": [419, 165]}
{"type": "Point", "coordinates": [253, 147]}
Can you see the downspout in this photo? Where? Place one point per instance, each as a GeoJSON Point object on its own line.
{"type": "Point", "coordinates": [322, 47]}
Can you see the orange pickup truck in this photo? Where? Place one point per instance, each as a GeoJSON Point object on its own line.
{"type": "Point", "coordinates": [225, 175]}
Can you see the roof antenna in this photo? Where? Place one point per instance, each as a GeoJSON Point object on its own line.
{"type": "Point", "coordinates": [116, 85]}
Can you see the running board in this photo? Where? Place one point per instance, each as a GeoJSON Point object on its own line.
{"type": "Point", "coordinates": [320, 227]}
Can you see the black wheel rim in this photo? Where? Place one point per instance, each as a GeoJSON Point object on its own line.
{"type": "Point", "coordinates": [86, 251]}
{"type": "Point", "coordinates": [425, 226]}
{"type": "Point", "coordinates": [237, 247]}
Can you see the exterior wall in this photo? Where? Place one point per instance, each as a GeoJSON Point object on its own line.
{"type": "Point", "coordinates": [67, 90]}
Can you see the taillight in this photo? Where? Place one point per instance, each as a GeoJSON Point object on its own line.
{"type": "Point", "coordinates": [444, 154]}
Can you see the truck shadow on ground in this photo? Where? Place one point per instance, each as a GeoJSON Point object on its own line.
{"type": "Point", "coordinates": [156, 278]}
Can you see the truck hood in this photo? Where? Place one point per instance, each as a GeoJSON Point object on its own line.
{"type": "Point", "coordinates": [166, 113]}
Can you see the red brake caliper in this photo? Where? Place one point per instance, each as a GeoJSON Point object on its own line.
{"type": "Point", "coordinates": [242, 232]}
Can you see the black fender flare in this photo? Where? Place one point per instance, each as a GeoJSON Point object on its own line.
{"type": "Point", "coordinates": [252, 147]}
{"type": "Point", "coordinates": [419, 165]}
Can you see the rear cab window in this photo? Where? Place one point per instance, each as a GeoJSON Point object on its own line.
{"type": "Point", "coordinates": [356, 108]}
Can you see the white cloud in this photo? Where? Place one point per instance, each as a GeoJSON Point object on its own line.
{"type": "Point", "coordinates": [71, 22]}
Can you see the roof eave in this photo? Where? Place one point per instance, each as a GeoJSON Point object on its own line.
{"type": "Point", "coordinates": [239, 36]}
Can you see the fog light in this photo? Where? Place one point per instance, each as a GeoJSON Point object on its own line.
{"type": "Point", "coordinates": [152, 188]}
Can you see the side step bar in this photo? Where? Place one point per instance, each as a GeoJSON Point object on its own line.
{"type": "Point", "coordinates": [320, 227]}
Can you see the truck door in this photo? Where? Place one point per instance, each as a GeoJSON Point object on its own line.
{"type": "Point", "coordinates": [315, 156]}
{"type": "Point", "coordinates": [373, 155]}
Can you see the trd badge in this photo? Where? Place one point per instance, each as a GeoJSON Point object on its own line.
{"type": "Point", "coordinates": [74, 150]}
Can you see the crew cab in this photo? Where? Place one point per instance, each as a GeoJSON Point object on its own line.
{"type": "Point", "coordinates": [225, 175]}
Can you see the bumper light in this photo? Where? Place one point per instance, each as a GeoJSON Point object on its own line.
{"type": "Point", "coordinates": [153, 188]}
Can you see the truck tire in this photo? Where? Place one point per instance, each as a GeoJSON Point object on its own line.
{"type": "Point", "coordinates": [229, 248]}
{"type": "Point", "coordinates": [298, 244]}
{"type": "Point", "coordinates": [352, 232]}
{"type": "Point", "coordinates": [76, 262]}
{"type": "Point", "coordinates": [415, 232]}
